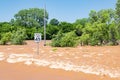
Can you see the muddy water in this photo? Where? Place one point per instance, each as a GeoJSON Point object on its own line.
{"type": "Point", "coordinates": [99, 61]}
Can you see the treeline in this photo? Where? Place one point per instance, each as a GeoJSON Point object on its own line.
{"type": "Point", "coordinates": [100, 28]}
{"type": "Point", "coordinates": [25, 23]}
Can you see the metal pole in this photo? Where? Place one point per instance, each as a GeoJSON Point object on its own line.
{"type": "Point", "coordinates": [44, 26]}
{"type": "Point", "coordinates": [37, 48]}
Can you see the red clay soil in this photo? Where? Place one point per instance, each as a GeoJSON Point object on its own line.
{"type": "Point", "coordinates": [79, 63]}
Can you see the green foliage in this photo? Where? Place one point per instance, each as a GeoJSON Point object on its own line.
{"type": "Point", "coordinates": [66, 27]}
{"type": "Point", "coordinates": [5, 38]}
{"type": "Point", "coordinates": [93, 16]}
{"type": "Point", "coordinates": [18, 36]}
{"type": "Point", "coordinates": [100, 28]}
{"type": "Point", "coordinates": [82, 21]}
{"type": "Point", "coordinates": [84, 39]}
{"type": "Point", "coordinates": [32, 17]}
{"type": "Point", "coordinates": [56, 41]}
{"type": "Point", "coordinates": [51, 30]}
{"type": "Point", "coordinates": [54, 22]}
{"type": "Point", "coordinates": [30, 33]}
{"type": "Point", "coordinates": [94, 41]}
{"type": "Point", "coordinates": [118, 17]}
{"type": "Point", "coordinates": [5, 27]}
{"type": "Point", "coordinates": [78, 30]}
{"type": "Point", "coordinates": [118, 8]}
{"type": "Point", "coordinates": [113, 34]}
{"type": "Point", "coordinates": [69, 39]}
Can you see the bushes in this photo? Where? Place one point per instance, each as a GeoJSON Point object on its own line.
{"type": "Point", "coordinates": [15, 37]}
{"type": "Point", "coordinates": [5, 38]}
{"type": "Point", "coordinates": [69, 39]}
{"type": "Point", "coordinates": [56, 41]}
{"type": "Point", "coordinates": [50, 31]}
{"type": "Point", "coordinates": [84, 39]}
{"type": "Point", "coordinates": [18, 36]}
{"type": "Point", "coordinates": [30, 33]}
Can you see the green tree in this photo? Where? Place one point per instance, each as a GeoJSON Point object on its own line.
{"type": "Point", "coordinates": [118, 16]}
{"type": "Point", "coordinates": [84, 39]}
{"type": "Point", "coordinates": [32, 17]}
{"type": "Point", "coordinates": [118, 8]}
{"type": "Point", "coordinates": [18, 36]}
{"type": "Point", "coordinates": [93, 16]}
{"type": "Point", "coordinates": [56, 40]}
{"type": "Point", "coordinates": [100, 28]}
{"type": "Point", "coordinates": [69, 39]}
{"type": "Point", "coordinates": [5, 38]}
{"type": "Point", "coordinates": [78, 29]}
{"type": "Point", "coordinates": [66, 27]}
{"type": "Point", "coordinates": [82, 21]}
{"type": "Point", "coordinates": [30, 33]}
{"type": "Point", "coordinates": [5, 27]}
{"type": "Point", "coordinates": [113, 36]}
{"type": "Point", "coordinates": [51, 30]}
{"type": "Point", "coordinates": [54, 22]}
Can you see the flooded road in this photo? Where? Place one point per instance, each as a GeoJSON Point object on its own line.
{"type": "Point", "coordinates": [83, 62]}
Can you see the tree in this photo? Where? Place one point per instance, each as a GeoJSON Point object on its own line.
{"type": "Point", "coordinates": [69, 39]}
{"type": "Point", "coordinates": [113, 34]}
{"type": "Point", "coordinates": [51, 30]}
{"type": "Point", "coordinates": [5, 27]}
{"type": "Point", "coordinates": [56, 40]}
{"type": "Point", "coordinates": [118, 8]}
{"type": "Point", "coordinates": [82, 21]}
{"type": "Point", "coordinates": [66, 27]}
{"type": "Point", "coordinates": [78, 29]}
{"type": "Point", "coordinates": [18, 36]}
{"type": "Point", "coordinates": [5, 38]}
{"type": "Point", "coordinates": [84, 39]}
{"type": "Point", "coordinates": [93, 16]}
{"type": "Point", "coordinates": [100, 28]}
{"type": "Point", "coordinates": [54, 22]}
{"type": "Point", "coordinates": [118, 16]}
{"type": "Point", "coordinates": [33, 17]}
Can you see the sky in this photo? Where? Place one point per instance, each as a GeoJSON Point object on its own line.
{"type": "Point", "coordinates": [63, 10]}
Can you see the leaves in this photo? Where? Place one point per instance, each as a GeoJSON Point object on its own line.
{"type": "Point", "coordinates": [32, 17]}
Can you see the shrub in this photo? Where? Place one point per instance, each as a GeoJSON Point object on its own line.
{"type": "Point", "coordinates": [57, 39]}
{"type": "Point", "coordinates": [5, 38]}
{"type": "Point", "coordinates": [93, 42]}
{"type": "Point", "coordinates": [30, 33]}
{"type": "Point", "coordinates": [69, 39]}
{"type": "Point", "coordinates": [18, 36]}
{"type": "Point", "coordinates": [50, 31]}
{"type": "Point", "coordinates": [84, 39]}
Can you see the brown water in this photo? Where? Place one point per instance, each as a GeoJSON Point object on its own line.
{"type": "Point", "coordinates": [84, 63]}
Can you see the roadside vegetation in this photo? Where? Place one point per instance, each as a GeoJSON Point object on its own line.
{"type": "Point", "coordinates": [100, 28]}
